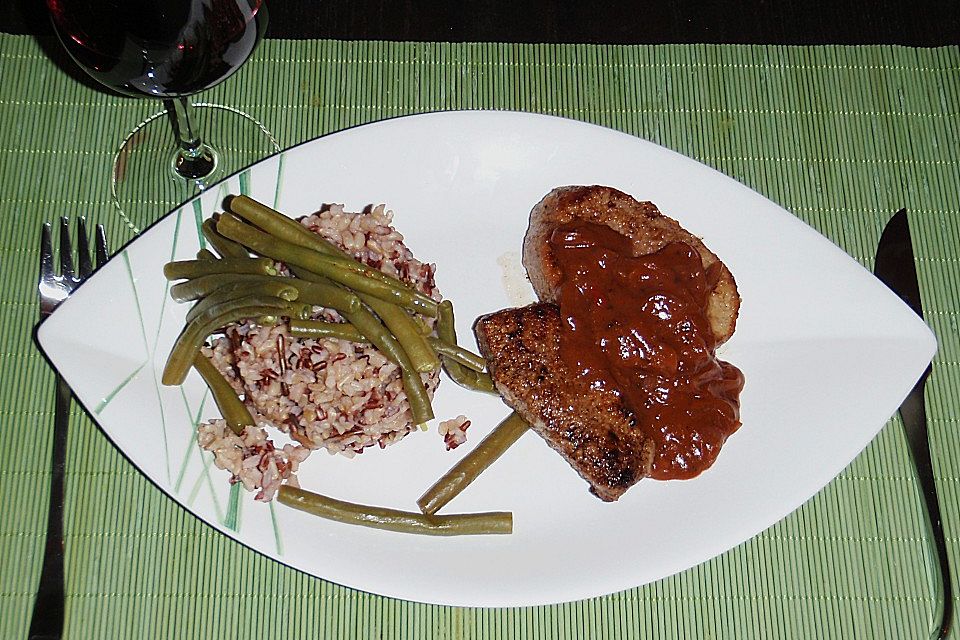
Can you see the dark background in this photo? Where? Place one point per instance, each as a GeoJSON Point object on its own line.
{"type": "Point", "coordinates": [907, 22]}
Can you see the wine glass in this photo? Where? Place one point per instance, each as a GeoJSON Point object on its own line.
{"type": "Point", "coordinates": [169, 50]}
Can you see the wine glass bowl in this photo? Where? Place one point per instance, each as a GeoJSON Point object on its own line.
{"type": "Point", "coordinates": [169, 50]}
{"type": "Point", "coordinates": [159, 49]}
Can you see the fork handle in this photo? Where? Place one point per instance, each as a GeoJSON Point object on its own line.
{"type": "Point", "coordinates": [48, 609]}
{"type": "Point", "coordinates": [914, 416]}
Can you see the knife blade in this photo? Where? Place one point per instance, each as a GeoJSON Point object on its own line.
{"type": "Point", "coordinates": [896, 267]}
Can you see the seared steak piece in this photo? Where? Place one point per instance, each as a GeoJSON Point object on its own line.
{"type": "Point", "coordinates": [643, 223]}
{"type": "Point", "coordinates": [590, 424]}
{"type": "Point", "coordinates": [590, 428]}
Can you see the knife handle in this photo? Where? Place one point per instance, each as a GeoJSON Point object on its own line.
{"type": "Point", "coordinates": [914, 416]}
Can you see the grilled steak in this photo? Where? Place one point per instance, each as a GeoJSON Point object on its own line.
{"type": "Point", "coordinates": [591, 429]}
{"type": "Point", "coordinates": [643, 223]}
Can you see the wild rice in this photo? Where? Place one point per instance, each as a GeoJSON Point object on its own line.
{"type": "Point", "coordinates": [324, 394]}
{"type": "Point", "coordinates": [454, 431]}
{"type": "Point", "coordinates": [251, 458]}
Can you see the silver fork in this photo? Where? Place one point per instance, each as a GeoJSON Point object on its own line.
{"type": "Point", "coordinates": [48, 609]}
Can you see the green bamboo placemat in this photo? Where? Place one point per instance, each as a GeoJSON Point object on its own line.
{"type": "Point", "coordinates": [840, 136]}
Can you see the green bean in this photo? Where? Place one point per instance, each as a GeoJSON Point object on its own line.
{"type": "Point", "coordinates": [377, 289]}
{"type": "Point", "coordinates": [478, 381]}
{"type": "Point", "coordinates": [234, 412]}
{"type": "Point", "coordinates": [473, 464]}
{"type": "Point", "coordinates": [321, 329]}
{"type": "Point", "coordinates": [267, 287]}
{"type": "Point", "coordinates": [469, 377]}
{"type": "Point", "coordinates": [206, 255]}
{"type": "Point", "coordinates": [421, 409]}
{"type": "Point", "coordinates": [458, 354]}
{"type": "Point", "coordinates": [422, 326]}
{"type": "Point", "coordinates": [344, 331]}
{"type": "Point", "coordinates": [347, 263]}
{"type": "Point", "coordinates": [316, 262]}
{"type": "Point", "coordinates": [393, 290]}
{"type": "Point", "coordinates": [446, 330]}
{"type": "Point", "coordinates": [279, 225]}
{"type": "Point", "coordinates": [298, 309]}
{"type": "Point", "coordinates": [371, 328]}
{"type": "Point", "coordinates": [225, 285]}
{"type": "Point", "coordinates": [252, 300]}
{"type": "Point", "coordinates": [393, 519]}
{"type": "Point", "coordinates": [197, 288]}
{"type": "Point", "coordinates": [402, 326]}
{"type": "Point", "coordinates": [194, 334]}
{"type": "Point", "coordinates": [329, 295]}
{"type": "Point", "coordinates": [196, 268]}
{"type": "Point", "coordinates": [225, 247]}
{"type": "Point", "coordinates": [323, 294]}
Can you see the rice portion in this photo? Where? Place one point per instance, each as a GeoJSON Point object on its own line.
{"type": "Point", "coordinates": [454, 431]}
{"type": "Point", "coordinates": [329, 394]}
{"type": "Point", "coordinates": [251, 458]}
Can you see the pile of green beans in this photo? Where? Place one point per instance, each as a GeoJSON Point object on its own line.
{"type": "Point", "coordinates": [240, 281]}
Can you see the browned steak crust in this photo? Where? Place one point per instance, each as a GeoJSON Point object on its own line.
{"type": "Point", "coordinates": [642, 222]}
{"type": "Point", "coordinates": [590, 428]}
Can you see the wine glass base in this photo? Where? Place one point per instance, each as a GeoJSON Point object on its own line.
{"type": "Point", "coordinates": [145, 185]}
{"type": "Point", "coordinates": [201, 163]}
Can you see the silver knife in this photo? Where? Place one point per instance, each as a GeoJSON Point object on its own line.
{"type": "Point", "coordinates": [896, 268]}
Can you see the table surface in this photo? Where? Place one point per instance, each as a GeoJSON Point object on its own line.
{"type": "Point", "coordinates": [921, 23]}
{"type": "Point", "coordinates": [841, 136]}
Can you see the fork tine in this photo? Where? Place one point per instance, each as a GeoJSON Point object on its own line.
{"type": "Point", "coordinates": [46, 254]}
{"type": "Point", "coordinates": [103, 251]}
{"type": "Point", "coordinates": [83, 248]}
{"type": "Point", "coordinates": [66, 249]}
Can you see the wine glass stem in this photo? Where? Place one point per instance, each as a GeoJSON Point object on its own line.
{"type": "Point", "coordinates": [194, 159]}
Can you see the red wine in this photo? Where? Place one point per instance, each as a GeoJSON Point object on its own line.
{"type": "Point", "coordinates": [160, 48]}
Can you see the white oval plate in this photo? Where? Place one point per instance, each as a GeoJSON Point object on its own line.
{"type": "Point", "coordinates": [828, 354]}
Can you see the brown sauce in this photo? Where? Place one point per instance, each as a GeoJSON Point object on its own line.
{"type": "Point", "coordinates": [638, 326]}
